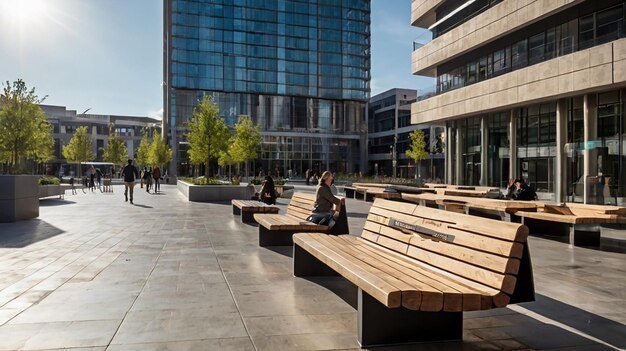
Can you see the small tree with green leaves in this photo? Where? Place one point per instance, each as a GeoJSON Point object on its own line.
{"type": "Point", "coordinates": [417, 148]}
{"type": "Point", "coordinates": [115, 151]}
{"type": "Point", "coordinates": [247, 140]}
{"type": "Point", "coordinates": [208, 135]}
{"type": "Point", "coordinates": [25, 133]}
{"type": "Point", "coordinates": [160, 153]}
{"type": "Point", "coordinates": [80, 148]}
{"type": "Point", "coordinates": [142, 156]}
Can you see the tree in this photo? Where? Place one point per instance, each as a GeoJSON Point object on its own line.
{"type": "Point", "coordinates": [160, 153]}
{"type": "Point", "coordinates": [25, 133]}
{"type": "Point", "coordinates": [208, 134]}
{"type": "Point", "coordinates": [417, 148]}
{"type": "Point", "coordinates": [143, 151]}
{"type": "Point", "coordinates": [247, 141]}
{"type": "Point", "coordinates": [80, 148]}
{"type": "Point", "coordinates": [115, 151]}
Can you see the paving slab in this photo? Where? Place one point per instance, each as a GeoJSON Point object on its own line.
{"type": "Point", "coordinates": [96, 273]}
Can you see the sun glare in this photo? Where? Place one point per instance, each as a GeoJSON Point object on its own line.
{"type": "Point", "coordinates": [24, 9]}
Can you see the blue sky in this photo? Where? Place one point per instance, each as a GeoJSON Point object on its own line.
{"type": "Point", "coordinates": [106, 55]}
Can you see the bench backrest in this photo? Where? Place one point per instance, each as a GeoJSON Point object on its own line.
{"type": "Point", "coordinates": [478, 250]}
{"type": "Point", "coordinates": [301, 205]}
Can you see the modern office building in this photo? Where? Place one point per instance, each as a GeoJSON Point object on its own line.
{"type": "Point", "coordinates": [65, 122]}
{"type": "Point", "coordinates": [299, 69]}
{"type": "Point", "coordinates": [389, 126]}
{"type": "Point", "coordinates": [528, 89]}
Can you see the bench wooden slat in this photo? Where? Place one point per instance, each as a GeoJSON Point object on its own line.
{"type": "Point", "coordinates": [411, 297]}
{"type": "Point", "coordinates": [490, 296]}
{"type": "Point", "coordinates": [464, 238]}
{"type": "Point", "coordinates": [370, 283]}
{"type": "Point", "coordinates": [503, 230]}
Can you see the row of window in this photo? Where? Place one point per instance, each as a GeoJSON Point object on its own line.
{"type": "Point", "coordinates": [578, 34]}
{"type": "Point", "coordinates": [271, 67]}
{"type": "Point", "coordinates": [357, 10]}
{"type": "Point", "coordinates": [267, 57]}
{"type": "Point", "coordinates": [347, 91]}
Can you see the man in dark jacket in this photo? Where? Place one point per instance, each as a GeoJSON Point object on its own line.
{"type": "Point", "coordinates": [129, 173]}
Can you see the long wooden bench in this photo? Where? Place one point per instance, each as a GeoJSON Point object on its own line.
{"type": "Point", "coordinates": [247, 209]}
{"type": "Point", "coordinates": [277, 229]}
{"type": "Point", "coordinates": [579, 222]}
{"type": "Point", "coordinates": [418, 268]}
{"type": "Point", "coordinates": [491, 208]}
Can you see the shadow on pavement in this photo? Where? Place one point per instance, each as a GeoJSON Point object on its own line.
{"type": "Point", "coordinates": [23, 233]}
{"type": "Point", "coordinates": [54, 202]}
{"type": "Point", "coordinates": [599, 327]}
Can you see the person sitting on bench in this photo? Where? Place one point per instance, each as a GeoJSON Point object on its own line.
{"type": "Point", "coordinates": [323, 212]}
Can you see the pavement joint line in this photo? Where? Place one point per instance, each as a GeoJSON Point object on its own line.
{"type": "Point", "coordinates": [230, 290]}
{"type": "Point", "coordinates": [544, 319]}
{"type": "Point", "coordinates": [156, 262]}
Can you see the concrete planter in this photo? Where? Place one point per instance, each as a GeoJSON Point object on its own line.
{"type": "Point", "coordinates": [214, 193]}
{"type": "Point", "coordinates": [52, 190]}
{"type": "Point", "coordinates": [19, 197]}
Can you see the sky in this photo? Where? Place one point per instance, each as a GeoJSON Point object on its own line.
{"type": "Point", "coordinates": [106, 55]}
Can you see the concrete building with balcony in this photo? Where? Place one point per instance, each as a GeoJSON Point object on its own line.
{"type": "Point", "coordinates": [389, 126]}
{"type": "Point", "coordinates": [528, 89]}
{"type": "Point", "coordinates": [65, 122]}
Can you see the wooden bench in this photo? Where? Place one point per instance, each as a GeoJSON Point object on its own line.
{"type": "Point", "coordinates": [247, 209]}
{"type": "Point", "coordinates": [417, 269]}
{"type": "Point", "coordinates": [277, 229]}
{"type": "Point", "coordinates": [579, 222]}
{"type": "Point", "coordinates": [491, 208]}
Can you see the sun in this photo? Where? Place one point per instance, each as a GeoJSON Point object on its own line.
{"type": "Point", "coordinates": [24, 9]}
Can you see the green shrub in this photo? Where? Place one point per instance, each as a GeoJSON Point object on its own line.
{"type": "Point", "coordinates": [48, 180]}
{"type": "Point", "coordinates": [255, 181]}
{"type": "Point", "coordinates": [205, 181]}
{"type": "Point", "coordinates": [279, 182]}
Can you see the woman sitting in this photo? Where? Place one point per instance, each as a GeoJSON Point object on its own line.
{"type": "Point", "coordinates": [267, 194]}
{"type": "Point", "coordinates": [323, 209]}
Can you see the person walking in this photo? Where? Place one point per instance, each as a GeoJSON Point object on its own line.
{"type": "Point", "coordinates": [147, 178]}
{"type": "Point", "coordinates": [156, 174]}
{"type": "Point", "coordinates": [129, 173]}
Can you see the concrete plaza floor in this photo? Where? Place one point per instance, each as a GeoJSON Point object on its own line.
{"type": "Point", "coordinates": [96, 273]}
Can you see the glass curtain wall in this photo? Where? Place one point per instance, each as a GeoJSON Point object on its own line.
{"type": "Point", "coordinates": [574, 149]}
{"type": "Point", "coordinates": [498, 154]}
{"type": "Point", "coordinates": [536, 136]}
{"type": "Point", "coordinates": [470, 128]}
{"type": "Point", "coordinates": [611, 151]}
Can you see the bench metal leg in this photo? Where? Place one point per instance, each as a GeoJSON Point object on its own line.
{"type": "Point", "coordinates": [307, 265]}
{"type": "Point", "coordinates": [247, 217]}
{"type": "Point", "coordinates": [349, 193]}
{"type": "Point", "coordinates": [380, 325]}
{"type": "Point", "coordinates": [236, 210]}
{"type": "Point", "coordinates": [584, 235]}
{"type": "Point", "coordinates": [578, 234]}
{"type": "Point", "coordinates": [341, 225]}
{"type": "Point", "coordinates": [275, 237]}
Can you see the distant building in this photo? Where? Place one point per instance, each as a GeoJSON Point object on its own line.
{"type": "Point", "coordinates": [528, 89]}
{"type": "Point", "coordinates": [65, 122]}
{"type": "Point", "coordinates": [389, 126]}
{"type": "Point", "coordinates": [298, 69]}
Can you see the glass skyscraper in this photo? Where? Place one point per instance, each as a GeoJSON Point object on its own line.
{"type": "Point", "coordinates": [299, 68]}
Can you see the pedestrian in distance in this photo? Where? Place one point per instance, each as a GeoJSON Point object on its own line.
{"type": "Point", "coordinates": [147, 178]}
{"type": "Point", "coordinates": [156, 174]}
{"type": "Point", "coordinates": [129, 173]}
{"type": "Point", "coordinates": [73, 187]}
